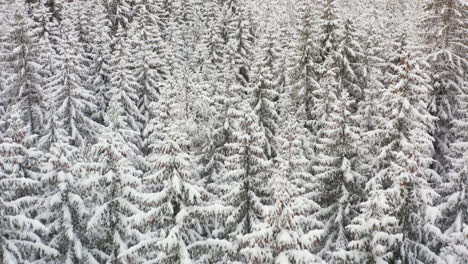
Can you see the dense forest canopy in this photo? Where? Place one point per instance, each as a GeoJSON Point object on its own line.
{"type": "Point", "coordinates": [234, 131]}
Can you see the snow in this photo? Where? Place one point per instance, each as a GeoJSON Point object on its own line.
{"type": "Point", "coordinates": [186, 131]}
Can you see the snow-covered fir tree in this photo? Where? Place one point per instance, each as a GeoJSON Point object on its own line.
{"type": "Point", "coordinates": [233, 131]}
{"type": "Point", "coordinates": [239, 39]}
{"type": "Point", "coordinates": [119, 13]}
{"type": "Point", "coordinates": [443, 26]}
{"type": "Point", "coordinates": [149, 63]}
{"type": "Point", "coordinates": [265, 90]}
{"type": "Point", "coordinates": [303, 77]}
{"type": "Point", "coordinates": [99, 72]}
{"type": "Point", "coordinates": [338, 146]}
{"type": "Point", "coordinates": [114, 184]}
{"type": "Point", "coordinates": [24, 85]}
{"type": "Point", "coordinates": [70, 98]}
{"type": "Point", "coordinates": [123, 88]}
{"type": "Point", "coordinates": [454, 191]}
{"type": "Point", "coordinates": [63, 205]}
{"type": "Point", "coordinates": [248, 170]}
{"type": "Point", "coordinates": [21, 235]}
{"type": "Point", "coordinates": [168, 223]}
{"type": "Point", "coordinates": [291, 231]}
{"type": "Point", "coordinates": [405, 159]}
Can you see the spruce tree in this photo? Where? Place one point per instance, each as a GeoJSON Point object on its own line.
{"type": "Point", "coordinates": [291, 231]}
{"type": "Point", "coordinates": [338, 145]}
{"type": "Point", "coordinates": [248, 168]}
{"type": "Point", "coordinates": [169, 223]}
{"type": "Point", "coordinates": [444, 25]}
{"type": "Point", "coordinates": [118, 12]}
{"type": "Point", "coordinates": [100, 70]}
{"type": "Point", "coordinates": [73, 102]}
{"type": "Point", "coordinates": [114, 184]}
{"type": "Point", "coordinates": [405, 157]}
{"type": "Point", "coordinates": [239, 39]}
{"type": "Point", "coordinates": [454, 192]}
{"type": "Point", "coordinates": [304, 71]}
{"type": "Point", "coordinates": [21, 235]}
{"type": "Point", "coordinates": [64, 207]}
{"type": "Point", "coordinates": [149, 63]}
{"type": "Point", "coordinates": [265, 91]}
{"type": "Point", "coordinates": [24, 86]}
{"type": "Point", "coordinates": [123, 88]}
{"type": "Point", "coordinates": [211, 48]}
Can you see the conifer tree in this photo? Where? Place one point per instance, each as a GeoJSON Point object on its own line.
{"type": "Point", "coordinates": [338, 145]}
{"type": "Point", "coordinates": [212, 46]}
{"type": "Point", "coordinates": [444, 26]}
{"type": "Point", "coordinates": [123, 87]}
{"type": "Point", "coordinates": [233, 84]}
{"type": "Point", "coordinates": [64, 206]}
{"type": "Point", "coordinates": [118, 12]}
{"type": "Point", "coordinates": [170, 225]}
{"type": "Point", "coordinates": [304, 72]}
{"type": "Point", "coordinates": [212, 79]}
{"type": "Point", "coordinates": [454, 192]}
{"type": "Point", "coordinates": [291, 230]}
{"type": "Point", "coordinates": [265, 91]}
{"type": "Point", "coordinates": [20, 233]}
{"type": "Point", "coordinates": [149, 62]}
{"type": "Point", "coordinates": [405, 158]}
{"type": "Point", "coordinates": [239, 39]}
{"type": "Point", "coordinates": [248, 168]}
{"type": "Point", "coordinates": [372, 88]}
{"type": "Point", "coordinates": [114, 183]}
{"type": "Point", "coordinates": [24, 86]}
{"type": "Point", "coordinates": [352, 68]}
{"type": "Point", "coordinates": [100, 71]}
{"type": "Point", "coordinates": [72, 100]}
{"type": "Point", "coordinates": [338, 177]}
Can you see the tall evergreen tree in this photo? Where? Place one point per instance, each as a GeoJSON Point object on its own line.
{"type": "Point", "coordinates": [304, 72]}
{"type": "Point", "coordinates": [444, 27]}
{"type": "Point", "coordinates": [291, 230]}
{"type": "Point", "coordinates": [169, 223]}
{"type": "Point", "coordinates": [99, 72]}
{"type": "Point", "coordinates": [149, 62]}
{"type": "Point", "coordinates": [123, 88]}
{"type": "Point", "coordinates": [265, 90]}
{"type": "Point", "coordinates": [454, 205]}
{"type": "Point", "coordinates": [24, 86]}
{"type": "Point", "coordinates": [114, 183]}
{"type": "Point", "coordinates": [239, 39]}
{"type": "Point", "coordinates": [20, 233]}
{"type": "Point", "coordinates": [338, 145]}
{"type": "Point", "coordinates": [406, 155]}
{"type": "Point", "coordinates": [72, 100]}
{"type": "Point", "coordinates": [119, 13]}
{"type": "Point", "coordinates": [248, 168]}
{"type": "Point", "coordinates": [64, 206]}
